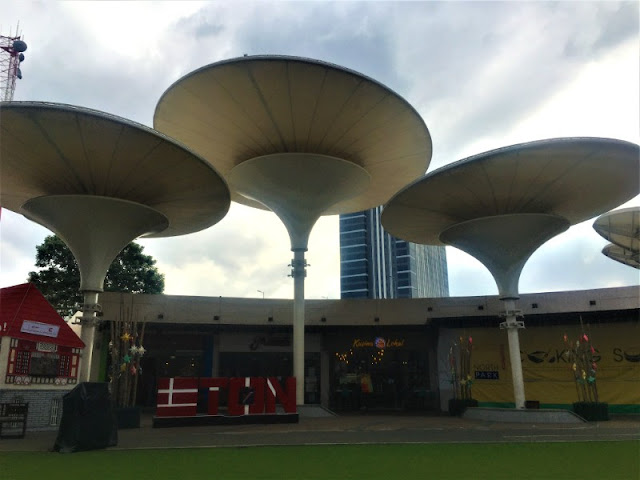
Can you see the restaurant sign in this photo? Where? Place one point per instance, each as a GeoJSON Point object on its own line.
{"type": "Point", "coordinates": [378, 342]}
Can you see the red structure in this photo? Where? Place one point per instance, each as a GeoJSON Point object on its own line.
{"type": "Point", "coordinates": [12, 50]}
{"type": "Point", "coordinates": [252, 398]}
{"type": "Point", "coordinates": [43, 349]}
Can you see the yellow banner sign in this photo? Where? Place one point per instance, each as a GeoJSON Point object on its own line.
{"type": "Point", "coordinates": [546, 365]}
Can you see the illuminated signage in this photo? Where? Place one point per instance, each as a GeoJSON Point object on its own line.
{"type": "Point", "coordinates": [39, 328]}
{"type": "Point", "coordinates": [378, 342]}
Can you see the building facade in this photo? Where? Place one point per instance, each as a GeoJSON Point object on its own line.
{"type": "Point", "coordinates": [391, 354]}
{"type": "Point", "coordinates": [373, 264]}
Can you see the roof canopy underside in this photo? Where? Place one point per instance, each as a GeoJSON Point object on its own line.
{"type": "Point", "coordinates": [574, 178]}
{"type": "Point", "coordinates": [621, 227]}
{"type": "Point", "coordinates": [622, 255]}
{"type": "Point", "coordinates": [240, 109]}
{"type": "Point", "coordinates": [50, 149]}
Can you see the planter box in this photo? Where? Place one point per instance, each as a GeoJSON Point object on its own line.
{"type": "Point", "coordinates": [457, 406]}
{"type": "Point", "coordinates": [128, 417]}
{"type": "Point", "coordinates": [592, 411]}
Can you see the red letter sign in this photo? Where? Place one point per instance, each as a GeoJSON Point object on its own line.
{"type": "Point", "coordinates": [177, 397]}
{"type": "Point", "coordinates": [274, 391]}
{"type": "Point", "coordinates": [214, 385]}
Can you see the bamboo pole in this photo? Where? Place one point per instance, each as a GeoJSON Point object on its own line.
{"type": "Point", "coordinates": [137, 365]}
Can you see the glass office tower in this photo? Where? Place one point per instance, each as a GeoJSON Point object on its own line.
{"type": "Point", "coordinates": [373, 264]}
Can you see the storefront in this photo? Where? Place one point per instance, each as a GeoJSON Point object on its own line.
{"type": "Point", "coordinates": [552, 379]}
{"type": "Point", "coordinates": [390, 355]}
{"type": "Point", "coordinates": [381, 369]}
{"type": "Point", "coordinates": [229, 352]}
{"type": "Point", "coordinates": [346, 369]}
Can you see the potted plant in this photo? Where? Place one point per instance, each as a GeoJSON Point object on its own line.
{"type": "Point", "coordinates": [460, 363]}
{"type": "Point", "coordinates": [582, 358]}
{"type": "Point", "coordinates": [126, 349]}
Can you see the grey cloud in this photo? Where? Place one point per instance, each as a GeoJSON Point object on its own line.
{"type": "Point", "coordinates": [113, 85]}
{"type": "Point", "coordinates": [354, 35]}
{"type": "Point", "coordinates": [19, 240]}
{"type": "Point", "coordinates": [572, 261]}
{"type": "Point", "coordinates": [230, 249]}
{"type": "Point", "coordinates": [468, 80]}
{"type": "Point", "coordinates": [616, 23]}
{"type": "Point", "coordinates": [471, 280]}
{"type": "Point", "coordinates": [199, 26]}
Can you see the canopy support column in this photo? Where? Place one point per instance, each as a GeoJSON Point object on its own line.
{"type": "Point", "coordinates": [512, 325]}
{"type": "Point", "coordinates": [88, 333]}
{"type": "Point", "coordinates": [298, 272]}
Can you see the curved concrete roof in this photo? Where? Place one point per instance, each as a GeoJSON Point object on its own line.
{"type": "Point", "coordinates": [621, 227]}
{"type": "Point", "coordinates": [304, 199]}
{"type": "Point", "coordinates": [622, 255]}
{"type": "Point", "coordinates": [52, 149]}
{"type": "Point", "coordinates": [574, 178]}
{"type": "Point", "coordinates": [500, 206]}
{"type": "Point", "coordinates": [239, 109]}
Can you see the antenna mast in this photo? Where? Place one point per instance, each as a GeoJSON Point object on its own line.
{"type": "Point", "coordinates": [12, 50]}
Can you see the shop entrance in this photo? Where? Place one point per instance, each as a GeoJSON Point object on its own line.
{"type": "Point", "coordinates": [273, 364]}
{"type": "Point", "coordinates": [377, 375]}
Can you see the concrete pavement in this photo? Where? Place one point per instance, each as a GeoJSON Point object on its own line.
{"type": "Point", "coordinates": [351, 429]}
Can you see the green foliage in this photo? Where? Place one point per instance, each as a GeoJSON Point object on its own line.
{"type": "Point", "coordinates": [58, 277]}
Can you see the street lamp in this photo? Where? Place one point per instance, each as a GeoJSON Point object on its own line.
{"type": "Point", "coordinates": [260, 291]}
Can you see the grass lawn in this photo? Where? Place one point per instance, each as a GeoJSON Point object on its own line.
{"type": "Point", "coordinates": [514, 461]}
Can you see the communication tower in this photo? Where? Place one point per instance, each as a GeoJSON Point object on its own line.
{"type": "Point", "coordinates": [12, 50]}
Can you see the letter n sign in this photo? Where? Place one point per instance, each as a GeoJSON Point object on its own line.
{"type": "Point", "coordinates": [177, 397]}
{"type": "Point", "coordinates": [287, 397]}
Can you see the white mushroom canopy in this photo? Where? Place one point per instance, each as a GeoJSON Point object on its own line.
{"type": "Point", "coordinates": [100, 181]}
{"type": "Point", "coordinates": [257, 106]}
{"type": "Point", "coordinates": [54, 149]}
{"type": "Point", "coordinates": [574, 178]}
{"type": "Point", "coordinates": [500, 206]}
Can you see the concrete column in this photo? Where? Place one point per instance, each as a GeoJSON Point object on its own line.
{"type": "Point", "coordinates": [88, 334]}
{"type": "Point", "coordinates": [325, 387]}
{"type": "Point", "coordinates": [298, 272]}
{"type": "Point", "coordinates": [5, 341]}
{"type": "Point", "coordinates": [512, 326]}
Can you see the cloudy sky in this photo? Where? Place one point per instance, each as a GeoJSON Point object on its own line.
{"type": "Point", "coordinates": [482, 75]}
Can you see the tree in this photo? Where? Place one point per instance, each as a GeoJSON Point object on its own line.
{"type": "Point", "coordinates": [58, 277]}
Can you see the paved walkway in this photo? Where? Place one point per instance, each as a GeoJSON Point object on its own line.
{"type": "Point", "coordinates": [350, 429]}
